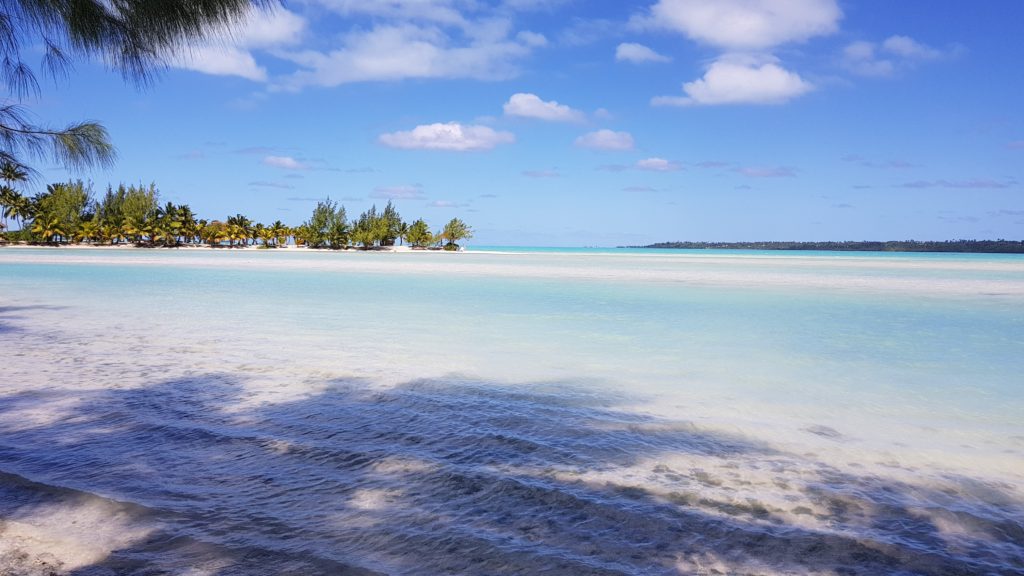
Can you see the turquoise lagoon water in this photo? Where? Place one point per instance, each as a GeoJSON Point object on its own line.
{"type": "Point", "coordinates": [577, 412]}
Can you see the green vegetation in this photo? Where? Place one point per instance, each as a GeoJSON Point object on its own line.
{"type": "Point", "coordinates": [979, 246]}
{"type": "Point", "coordinates": [68, 213]}
{"type": "Point", "coordinates": [130, 37]}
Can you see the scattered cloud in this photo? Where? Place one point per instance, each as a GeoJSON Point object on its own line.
{"type": "Point", "coordinates": [740, 80]}
{"type": "Point", "coordinates": [269, 184]}
{"type": "Point", "coordinates": [907, 47]}
{"type": "Point", "coordinates": [1006, 212]}
{"type": "Point", "coordinates": [445, 204]}
{"type": "Point", "coordinates": [285, 162]}
{"type": "Point", "coordinates": [658, 165]}
{"type": "Point", "coordinates": [613, 168]}
{"type": "Point", "coordinates": [959, 219]}
{"type": "Point", "coordinates": [712, 164]}
{"type": "Point", "coordinates": [975, 184]}
{"type": "Point", "coordinates": [192, 155]}
{"type": "Point", "coordinates": [603, 114]}
{"type": "Point", "coordinates": [638, 54]}
{"type": "Point", "coordinates": [407, 192]}
{"type": "Point", "coordinates": [230, 53]}
{"type": "Point", "coordinates": [450, 136]}
{"type": "Point", "coordinates": [887, 57]}
{"type": "Point", "coordinates": [606, 140]}
{"type": "Point", "coordinates": [525, 105]}
{"type": "Point", "coordinates": [584, 31]}
{"type": "Point", "coordinates": [743, 25]}
{"type": "Point", "coordinates": [541, 174]}
{"type": "Point", "coordinates": [843, 206]}
{"type": "Point", "coordinates": [486, 49]}
{"type": "Point", "coordinates": [256, 150]}
{"type": "Point", "coordinates": [766, 172]}
{"type": "Point", "coordinates": [304, 199]}
{"type": "Point", "coordinates": [886, 164]}
{"type": "Point", "coordinates": [747, 31]}
{"type": "Point", "coordinates": [488, 195]}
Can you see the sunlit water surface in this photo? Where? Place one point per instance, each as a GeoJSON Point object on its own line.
{"type": "Point", "coordinates": [589, 413]}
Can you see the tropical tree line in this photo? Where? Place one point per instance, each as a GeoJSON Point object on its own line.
{"type": "Point", "coordinates": [68, 213]}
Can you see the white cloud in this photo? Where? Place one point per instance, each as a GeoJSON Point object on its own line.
{"type": "Point", "coordinates": [436, 11]}
{"type": "Point", "coordinates": [526, 105]}
{"type": "Point", "coordinates": [222, 61]}
{"type": "Point", "coordinates": [887, 57]}
{"type": "Point", "coordinates": [408, 50]}
{"type": "Point", "coordinates": [541, 174]}
{"type": "Point", "coordinates": [286, 162]}
{"type": "Point", "coordinates": [606, 140]}
{"type": "Point", "coordinates": [909, 48]}
{"type": "Point", "coordinates": [444, 204]}
{"type": "Point", "coordinates": [638, 54]}
{"type": "Point", "coordinates": [230, 51]}
{"type": "Point", "coordinates": [744, 24]}
{"type": "Point", "coordinates": [733, 80]}
{"type": "Point", "coordinates": [397, 192]}
{"type": "Point", "coordinates": [767, 172]}
{"type": "Point", "coordinates": [449, 136]}
{"type": "Point", "coordinates": [658, 165]}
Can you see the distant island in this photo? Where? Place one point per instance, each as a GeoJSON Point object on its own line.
{"type": "Point", "coordinates": [967, 246]}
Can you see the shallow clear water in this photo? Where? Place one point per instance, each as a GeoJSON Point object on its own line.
{"type": "Point", "coordinates": [309, 412]}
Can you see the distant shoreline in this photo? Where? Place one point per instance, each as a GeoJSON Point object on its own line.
{"type": "Point", "coordinates": [953, 246]}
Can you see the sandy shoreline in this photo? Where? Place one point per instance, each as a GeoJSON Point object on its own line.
{"type": "Point", "coordinates": [999, 278]}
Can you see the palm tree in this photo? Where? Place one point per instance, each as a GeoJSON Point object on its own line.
{"type": "Point", "coordinates": [88, 231]}
{"type": "Point", "coordinates": [189, 225]}
{"type": "Point", "coordinates": [280, 232]}
{"type": "Point", "coordinates": [267, 235]}
{"type": "Point", "coordinates": [49, 227]}
{"type": "Point", "coordinates": [10, 172]}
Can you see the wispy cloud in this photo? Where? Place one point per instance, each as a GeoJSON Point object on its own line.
{"type": "Point", "coordinates": [445, 204]}
{"type": "Point", "coordinates": [886, 164]}
{"type": "Point", "coordinates": [231, 51]}
{"type": "Point", "coordinates": [525, 105]}
{"type": "Point", "coordinates": [270, 184]}
{"type": "Point", "coordinates": [606, 140]}
{"type": "Point", "coordinates": [255, 150]}
{"type": "Point", "coordinates": [450, 136]}
{"type": "Point", "coordinates": [404, 192]}
{"type": "Point", "coordinates": [974, 184]}
{"type": "Point", "coordinates": [766, 172]}
{"type": "Point", "coordinates": [638, 54]}
{"type": "Point", "coordinates": [541, 174]}
{"type": "Point", "coordinates": [743, 25]}
{"type": "Point", "coordinates": [192, 155]}
{"type": "Point", "coordinates": [889, 56]}
{"type": "Point", "coordinates": [1016, 145]}
{"type": "Point", "coordinates": [488, 49]}
{"type": "Point", "coordinates": [285, 162]}
{"type": "Point", "coordinates": [658, 165]}
{"type": "Point", "coordinates": [639, 189]}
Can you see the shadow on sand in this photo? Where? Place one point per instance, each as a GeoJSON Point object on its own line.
{"type": "Point", "coordinates": [457, 477]}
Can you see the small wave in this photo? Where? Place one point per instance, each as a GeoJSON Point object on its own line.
{"type": "Point", "coordinates": [476, 478]}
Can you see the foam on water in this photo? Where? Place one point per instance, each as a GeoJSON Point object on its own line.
{"type": "Point", "coordinates": [434, 413]}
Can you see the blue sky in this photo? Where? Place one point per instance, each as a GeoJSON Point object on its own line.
{"type": "Point", "coordinates": [590, 123]}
